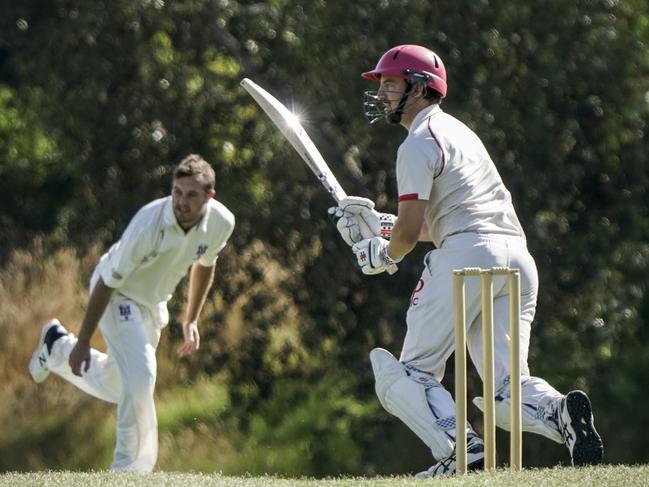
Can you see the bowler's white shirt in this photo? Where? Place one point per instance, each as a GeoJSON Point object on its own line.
{"type": "Point", "coordinates": [154, 253]}
{"type": "Point", "coordinates": [443, 161]}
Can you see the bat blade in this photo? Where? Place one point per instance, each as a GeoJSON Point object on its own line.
{"type": "Point", "coordinates": [293, 131]}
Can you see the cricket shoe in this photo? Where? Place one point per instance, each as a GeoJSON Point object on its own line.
{"type": "Point", "coordinates": [446, 466]}
{"type": "Point", "coordinates": [578, 430]}
{"type": "Point", "coordinates": [52, 330]}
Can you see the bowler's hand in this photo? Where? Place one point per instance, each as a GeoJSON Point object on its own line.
{"type": "Point", "coordinates": [192, 339]}
{"type": "Point", "coordinates": [80, 354]}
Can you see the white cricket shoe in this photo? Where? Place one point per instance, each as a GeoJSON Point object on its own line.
{"type": "Point", "coordinates": [446, 466]}
{"type": "Point", "coordinates": [52, 330]}
{"type": "Point", "coordinates": [578, 430]}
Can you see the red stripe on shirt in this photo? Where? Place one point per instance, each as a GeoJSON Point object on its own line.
{"type": "Point", "coordinates": [441, 169]}
{"type": "Point", "coordinates": [408, 197]}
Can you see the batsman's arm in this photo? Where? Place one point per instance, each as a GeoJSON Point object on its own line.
{"type": "Point", "coordinates": [407, 229]}
{"type": "Point", "coordinates": [424, 236]}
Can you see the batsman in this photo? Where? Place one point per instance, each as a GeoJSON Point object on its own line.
{"type": "Point", "coordinates": [451, 194]}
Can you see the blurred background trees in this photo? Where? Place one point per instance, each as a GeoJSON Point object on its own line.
{"type": "Point", "coordinates": [99, 100]}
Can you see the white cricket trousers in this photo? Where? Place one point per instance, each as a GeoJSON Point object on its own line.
{"type": "Point", "coordinates": [430, 336]}
{"type": "Point", "coordinates": [125, 375]}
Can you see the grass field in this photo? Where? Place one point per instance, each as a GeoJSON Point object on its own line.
{"type": "Point", "coordinates": [602, 476]}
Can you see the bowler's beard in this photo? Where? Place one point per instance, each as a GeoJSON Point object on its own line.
{"type": "Point", "coordinates": [185, 218]}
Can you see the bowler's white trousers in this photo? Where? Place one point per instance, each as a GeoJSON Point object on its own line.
{"type": "Point", "coordinates": [430, 338]}
{"type": "Point", "coordinates": [125, 375]}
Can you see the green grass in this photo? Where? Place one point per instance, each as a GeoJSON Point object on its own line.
{"type": "Point", "coordinates": [184, 406]}
{"type": "Point", "coordinates": [602, 476]}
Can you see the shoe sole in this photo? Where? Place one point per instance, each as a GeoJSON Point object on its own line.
{"type": "Point", "coordinates": [588, 449]}
{"type": "Point", "coordinates": [39, 373]}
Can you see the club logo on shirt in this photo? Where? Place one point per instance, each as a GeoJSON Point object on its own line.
{"type": "Point", "coordinates": [200, 251]}
{"type": "Point", "coordinates": [414, 299]}
{"type": "Point", "coordinates": [125, 313]}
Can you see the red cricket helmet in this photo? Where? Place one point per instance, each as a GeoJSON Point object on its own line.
{"type": "Point", "coordinates": [409, 57]}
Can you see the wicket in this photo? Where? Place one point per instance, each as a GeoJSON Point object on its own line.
{"type": "Point", "coordinates": [486, 276]}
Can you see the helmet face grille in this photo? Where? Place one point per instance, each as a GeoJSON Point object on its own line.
{"type": "Point", "coordinates": [376, 109]}
{"type": "Point", "coordinates": [373, 107]}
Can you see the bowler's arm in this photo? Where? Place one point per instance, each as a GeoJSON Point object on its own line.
{"type": "Point", "coordinates": [200, 281]}
{"type": "Point", "coordinates": [97, 303]}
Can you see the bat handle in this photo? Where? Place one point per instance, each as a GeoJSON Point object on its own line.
{"type": "Point", "coordinates": [392, 269]}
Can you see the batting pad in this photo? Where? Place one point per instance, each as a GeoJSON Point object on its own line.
{"type": "Point", "coordinates": [405, 398]}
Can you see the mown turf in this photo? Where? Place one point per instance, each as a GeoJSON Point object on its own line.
{"type": "Point", "coordinates": [602, 476]}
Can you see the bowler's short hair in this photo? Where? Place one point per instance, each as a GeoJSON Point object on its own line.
{"type": "Point", "coordinates": [195, 165]}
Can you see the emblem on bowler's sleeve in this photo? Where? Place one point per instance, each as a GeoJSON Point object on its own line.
{"type": "Point", "coordinates": [200, 251]}
{"type": "Point", "coordinates": [125, 313]}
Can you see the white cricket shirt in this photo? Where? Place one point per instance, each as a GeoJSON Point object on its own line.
{"type": "Point", "coordinates": [154, 253]}
{"type": "Point", "coordinates": [443, 161]}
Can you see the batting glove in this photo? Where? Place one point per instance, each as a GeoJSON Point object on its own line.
{"type": "Point", "coordinates": [356, 220]}
{"type": "Point", "coordinates": [372, 256]}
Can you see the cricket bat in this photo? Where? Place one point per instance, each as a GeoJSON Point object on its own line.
{"type": "Point", "coordinates": [293, 131]}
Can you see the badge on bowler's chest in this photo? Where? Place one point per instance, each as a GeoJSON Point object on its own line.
{"type": "Point", "coordinates": [200, 251]}
{"type": "Point", "coordinates": [125, 312]}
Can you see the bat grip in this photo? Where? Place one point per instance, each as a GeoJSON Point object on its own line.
{"type": "Point", "coordinates": [392, 269]}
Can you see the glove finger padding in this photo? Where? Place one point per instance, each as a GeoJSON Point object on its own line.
{"type": "Point", "coordinates": [349, 229]}
{"type": "Point", "coordinates": [371, 222]}
{"type": "Point", "coordinates": [366, 217]}
{"type": "Point", "coordinates": [346, 224]}
{"type": "Point", "coordinates": [357, 220]}
{"type": "Point", "coordinates": [356, 205]}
